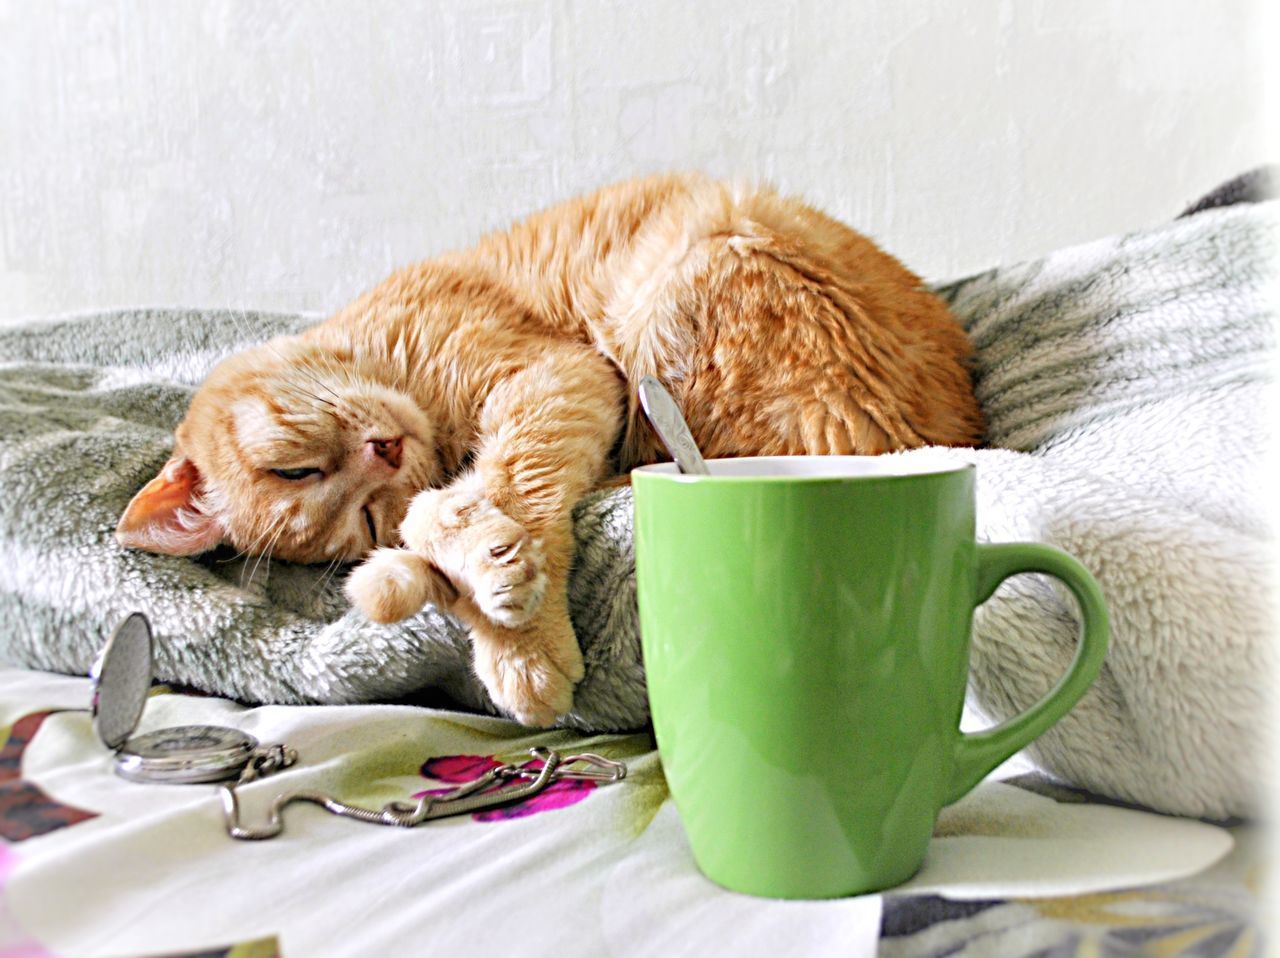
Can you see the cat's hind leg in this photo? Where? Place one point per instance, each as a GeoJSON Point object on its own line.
{"type": "Point", "coordinates": [771, 348]}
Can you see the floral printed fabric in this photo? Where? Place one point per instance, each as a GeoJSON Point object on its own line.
{"type": "Point", "coordinates": [146, 870]}
{"type": "Point", "coordinates": [1209, 916]}
{"type": "Point", "coordinates": [25, 810]}
{"type": "Point", "coordinates": [460, 769]}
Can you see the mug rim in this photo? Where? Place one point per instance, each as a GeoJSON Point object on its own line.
{"type": "Point", "coordinates": [890, 467]}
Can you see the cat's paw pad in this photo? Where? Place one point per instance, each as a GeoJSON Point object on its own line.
{"type": "Point", "coordinates": [487, 554]}
{"type": "Point", "coordinates": [506, 576]}
{"type": "Point", "coordinates": [393, 584]}
{"type": "Point", "coordinates": [532, 686]}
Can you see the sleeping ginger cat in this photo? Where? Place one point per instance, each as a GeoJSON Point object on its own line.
{"type": "Point", "coordinates": [444, 424]}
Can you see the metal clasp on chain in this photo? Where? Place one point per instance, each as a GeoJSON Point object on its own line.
{"type": "Point", "coordinates": [266, 760]}
{"type": "Point", "coordinates": [491, 790]}
{"type": "Point", "coordinates": [599, 768]}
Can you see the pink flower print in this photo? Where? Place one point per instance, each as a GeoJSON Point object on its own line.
{"type": "Point", "coordinates": [458, 769]}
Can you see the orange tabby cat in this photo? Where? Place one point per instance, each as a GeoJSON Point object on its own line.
{"type": "Point", "coordinates": [448, 420]}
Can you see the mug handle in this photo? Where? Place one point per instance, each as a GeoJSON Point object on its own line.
{"type": "Point", "coordinates": [978, 753]}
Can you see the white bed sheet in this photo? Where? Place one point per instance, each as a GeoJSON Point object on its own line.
{"type": "Point", "coordinates": [607, 872]}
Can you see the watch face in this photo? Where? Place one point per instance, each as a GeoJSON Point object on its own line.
{"type": "Point", "coordinates": [186, 753]}
{"type": "Point", "coordinates": [169, 742]}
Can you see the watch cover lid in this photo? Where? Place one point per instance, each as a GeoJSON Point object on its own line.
{"type": "Point", "coordinates": [121, 678]}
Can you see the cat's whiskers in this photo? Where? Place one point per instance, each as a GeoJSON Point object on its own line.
{"type": "Point", "coordinates": [302, 370]}
{"type": "Point", "coordinates": [318, 381]}
{"type": "Point", "coordinates": [338, 370]}
{"type": "Point", "coordinates": [270, 549]}
{"type": "Point", "coordinates": [249, 548]}
{"type": "Point", "coordinates": [329, 572]}
{"type": "Point", "coordinates": [267, 554]}
{"type": "Point", "coordinates": [274, 532]}
{"type": "Point", "coordinates": [252, 554]}
{"type": "Point", "coordinates": [293, 385]}
{"type": "Point", "coordinates": [345, 370]}
{"type": "Point", "coordinates": [240, 327]}
{"type": "Point", "coordinates": [332, 364]}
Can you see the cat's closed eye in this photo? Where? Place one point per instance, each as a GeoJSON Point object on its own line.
{"type": "Point", "coordinates": [293, 475]}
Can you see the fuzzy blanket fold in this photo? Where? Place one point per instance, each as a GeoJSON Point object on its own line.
{"type": "Point", "coordinates": [1125, 383]}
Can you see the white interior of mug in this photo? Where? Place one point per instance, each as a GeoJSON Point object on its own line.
{"type": "Point", "coordinates": [918, 462]}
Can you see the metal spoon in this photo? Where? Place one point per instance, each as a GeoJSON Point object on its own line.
{"type": "Point", "coordinates": [664, 415]}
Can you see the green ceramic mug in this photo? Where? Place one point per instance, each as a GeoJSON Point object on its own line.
{"type": "Point", "coordinates": [805, 624]}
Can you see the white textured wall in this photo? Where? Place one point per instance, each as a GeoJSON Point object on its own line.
{"type": "Point", "coordinates": [288, 155]}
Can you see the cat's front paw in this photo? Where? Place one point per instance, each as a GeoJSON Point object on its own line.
{"type": "Point", "coordinates": [486, 554]}
{"type": "Point", "coordinates": [507, 579]}
{"type": "Point", "coordinates": [530, 675]}
{"type": "Point", "coordinates": [393, 584]}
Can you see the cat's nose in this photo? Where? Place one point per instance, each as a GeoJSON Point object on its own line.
{"type": "Point", "coordinates": [389, 451]}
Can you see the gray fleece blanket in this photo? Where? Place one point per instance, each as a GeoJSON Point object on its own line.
{"type": "Point", "coordinates": [1124, 381]}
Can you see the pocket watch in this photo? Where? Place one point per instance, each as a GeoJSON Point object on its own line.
{"type": "Point", "coordinates": [188, 754]}
{"type": "Point", "coordinates": [184, 754]}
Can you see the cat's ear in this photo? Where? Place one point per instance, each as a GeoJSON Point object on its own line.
{"type": "Point", "coordinates": [165, 515]}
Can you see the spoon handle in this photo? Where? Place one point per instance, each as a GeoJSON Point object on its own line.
{"type": "Point", "coordinates": [664, 415]}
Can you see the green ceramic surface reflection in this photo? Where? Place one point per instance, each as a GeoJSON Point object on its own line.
{"type": "Point", "coordinates": [806, 641]}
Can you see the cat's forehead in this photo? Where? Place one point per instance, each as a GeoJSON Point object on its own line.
{"type": "Point", "coordinates": [258, 422]}
{"type": "Point", "coordinates": [267, 425]}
